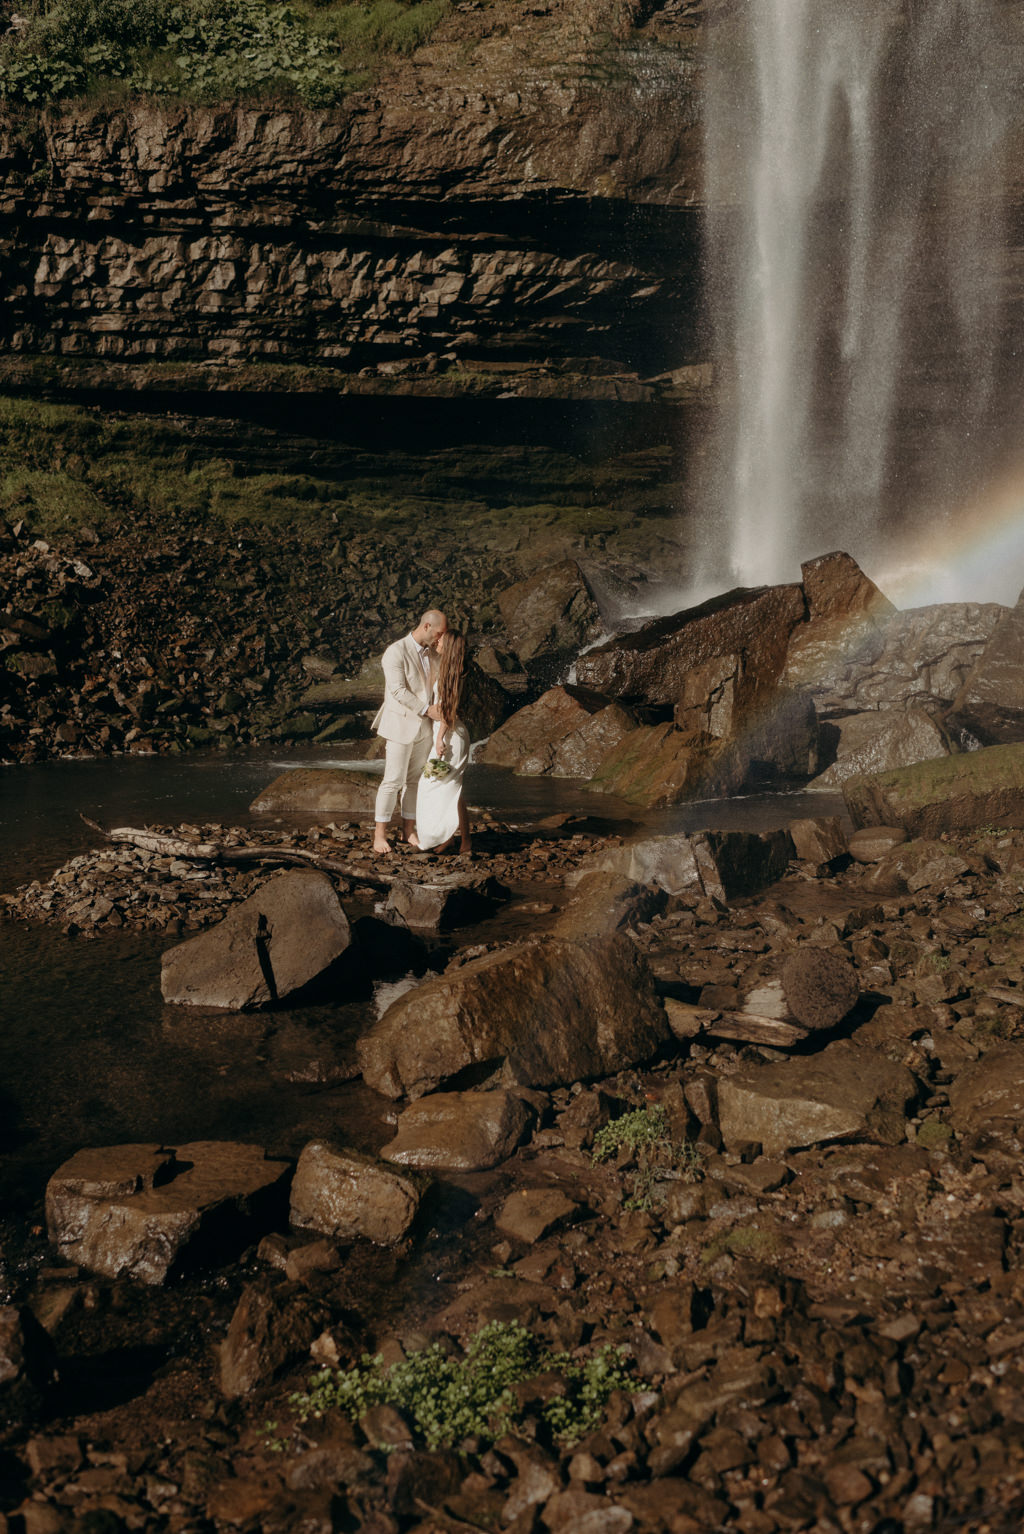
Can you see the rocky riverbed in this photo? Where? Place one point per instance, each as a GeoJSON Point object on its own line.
{"type": "Point", "coordinates": [808, 1251]}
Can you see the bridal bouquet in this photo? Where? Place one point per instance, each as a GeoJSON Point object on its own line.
{"type": "Point", "coordinates": [437, 767]}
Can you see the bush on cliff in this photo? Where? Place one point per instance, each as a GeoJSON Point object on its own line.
{"type": "Point", "coordinates": [207, 50]}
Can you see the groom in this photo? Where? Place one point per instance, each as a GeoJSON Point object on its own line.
{"type": "Point", "coordinates": [404, 721]}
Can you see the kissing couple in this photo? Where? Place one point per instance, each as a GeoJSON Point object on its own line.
{"type": "Point", "coordinates": [426, 743]}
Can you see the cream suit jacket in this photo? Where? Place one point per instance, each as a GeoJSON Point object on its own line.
{"type": "Point", "coordinates": [406, 693]}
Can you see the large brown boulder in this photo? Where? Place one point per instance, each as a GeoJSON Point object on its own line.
{"type": "Point", "coordinates": [915, 659]}
{"type": "Point", "coordinates": [723, 864]}
{"type": "Point", "coordinates": [990, 704]}
{"type": "Point", "coordinates": [345, 1194]}
{"type": "Point", "coordinates": [148, 1213]}
{"type": "Point", "coordinates": [952, 793]}
{"type": "Point", "coordinates": [565, 731]}
{"type": "Point", "coordinates": [736, 643]}
{"type": "Point", "coordinates": [843, 1093]}
{"type": "Point", "coordinates": [554, 1012]}
{"type": "Point", "coordinates": [877, 742]}
{"type": "Point", "coordinates": [718, 668]}
{"type": "Point", "coordinates": [657, 765]}
{"type": "Point", "coordinates": [319, 791]}
{"type": "Point", "coordinates": [264, 950]}
{"type": "Point", "coordinates": [550, 614]}
{"type": "Point", "coordinates": [458, 1131]}
{"type": "Point", "coordinates": [844, 608]}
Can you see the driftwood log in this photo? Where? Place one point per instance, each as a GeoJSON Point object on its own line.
{"type": "Point", "coordinates": [218, 852]}
{"type": "Point", "coordinates": [691, 1022]}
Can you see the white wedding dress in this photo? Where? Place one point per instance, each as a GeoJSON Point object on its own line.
{"type": "Point", "coordinates": [437, 799]}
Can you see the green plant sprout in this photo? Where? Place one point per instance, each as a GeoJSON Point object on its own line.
{"type": "Point", "coordinates": [447, 1399]}
{"type": "Point", "coordinates": [645, 1136]}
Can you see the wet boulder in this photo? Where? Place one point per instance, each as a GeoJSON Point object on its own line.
{"type": "Point", "coordinates": [270, 1330]}
{"type": "Point", "coordinates": [550, 615]}
{"type": "Point", "coordinates": [917, 659]}
{"type": "Point", "coordinates": [347, 1195]}
{"type": "Point", "coordinates": [845, 609]}
{"type": "Point", "coordinates": [458, 1131]}
{"type": "Point", "coordinates": [659, 765]}
{"type": "Point", "coordinates": [550, 1012]}
{"type": "Point", "coordinates": [724, 864]}
{"type": "Point", "coordinates": [990, 704]}
{"type": "Point", "coordinates": [566, 726]}
{"type": "Point", "coordinates": [736, 642]}
{"type": "Point", "coordinates": [446, 902]}
{"type": "Point", "coordinates": [818, 839]}
{"type": "Point", "coordinates": [608, 902]}
{"type": "Point", "coordinates": [842, 1093]}
{"type": "Point", "coordinates": [319, 791]}
{"type": "Point", "coordinates": [528, 1214]}
{"type": "Point", "coordinates": [268, 947]}
{"type": "Point", "coordinates": [148, 1213]}
{"type": "Point", "coordinates": [953, 793]}
{"type": "Point", "coordinates": [877, 742]}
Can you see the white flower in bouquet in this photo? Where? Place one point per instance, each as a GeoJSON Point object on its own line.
{"type": "Point", "coordinates": [437, 767]}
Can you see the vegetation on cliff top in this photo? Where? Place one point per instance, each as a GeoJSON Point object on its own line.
{"type": "Point", "coordinates": [312, 51]}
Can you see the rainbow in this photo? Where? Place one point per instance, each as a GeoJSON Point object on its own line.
{"type": "Point", "coordinates": [973, 552]}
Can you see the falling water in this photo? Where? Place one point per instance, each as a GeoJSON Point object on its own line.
{"type": "Point", "coordinates": [855, 163]}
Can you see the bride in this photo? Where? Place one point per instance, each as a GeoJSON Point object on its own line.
{"type": "Point", "coordinates": [440, 810]}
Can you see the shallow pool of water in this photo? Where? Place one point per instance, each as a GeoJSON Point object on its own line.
{"type": "Point", "coordinates": [89, 1054]}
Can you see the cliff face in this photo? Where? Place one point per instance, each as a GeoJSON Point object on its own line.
{"type": "Point", "coordinates": [513, 211]}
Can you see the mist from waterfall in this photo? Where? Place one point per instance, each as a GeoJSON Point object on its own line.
{"type": "Point", "coordinates": [856, 236]}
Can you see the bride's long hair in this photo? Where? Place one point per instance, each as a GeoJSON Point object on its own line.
{"type": "Point", "coordinates": [450, 673]}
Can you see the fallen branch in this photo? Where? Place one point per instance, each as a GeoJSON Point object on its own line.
{"type": "Point", "coordinates": [218, 852]}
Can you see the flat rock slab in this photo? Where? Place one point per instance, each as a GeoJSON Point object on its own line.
{"type": "Point", "coordinates": [818, 839]}
{"type": "Point", "coordinates": [344, 1194]}
{"type": "Point", "coordinates": [319, 791]}
{"type": "Point", "coordinates": [147, 1213]}
{"type": "Point", "coordinates": [989, 1091]}
{"type": "Point", "coordinates": [724, 864]}
{"type": "Point", "coordinates": [273, 944]}
{"type": "Point", "coordinates": [873, 843]}
{"type": "Point", "coordinates": [608, 902]}
{"type": "Point", "coordinates": [843, 1093]}
{"type": "Point", "coordinates": [880, 741]}
{"type": "Point", "coordinates": [953, 793]}
{"type": "Point", "coordinates": [458, 1131]}
{"type": "Point", "coordinates": [448, 901]}
{"type": "Point", "coordinates": [552, 1012]}
{"type": "Point", "coordinates": [530, 1213]}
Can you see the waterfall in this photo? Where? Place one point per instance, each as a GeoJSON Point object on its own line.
{"type": "Point", "coordinates": [856, 231]}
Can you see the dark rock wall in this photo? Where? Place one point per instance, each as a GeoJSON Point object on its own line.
{"type": "Point", "coordinates": [515, 209]}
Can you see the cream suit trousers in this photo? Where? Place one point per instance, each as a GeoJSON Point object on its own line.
{"type": "Point", "coordinates": [403, 763]}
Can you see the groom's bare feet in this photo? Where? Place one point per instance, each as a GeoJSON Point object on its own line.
{"type": "Point", "coordinates": [412, 840]}
{"type": "Point", "coordinates": [381, 847]}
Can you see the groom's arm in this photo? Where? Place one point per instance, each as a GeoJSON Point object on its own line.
{"type": "Point", "coordinates": [396, 686]}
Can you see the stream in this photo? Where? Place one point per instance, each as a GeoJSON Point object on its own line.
{"type": "Point", "coordinates": [89, 1054]}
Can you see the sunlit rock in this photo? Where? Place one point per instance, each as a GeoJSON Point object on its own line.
{"type": "Point", "coordinates": [458, 1131]}
{"type": "Point", "coordinates": [977, 788]}
{"type": "Point", "coordinates": [345, 1194]}
{"type": "Point", "coordinates": [271, 945]}
{"type": "Point", "coordinates": [148, 1213]}
{"type": "Point", "coordinates": [877, 742]}
{"type": "Point", "coordinates": [550, 1012]}
{"type": "Point", "coordinates": [842, 1093]}
{"type": "Point", "coordinates": [567, 732]}
{"type": "Point", "coordinates": [990, 704]}
{"type": "Point", "coordinates": [318, 791]}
